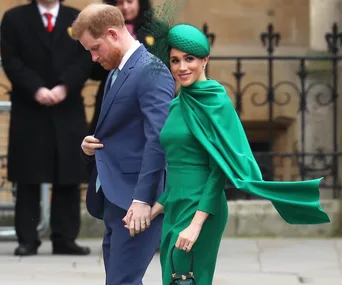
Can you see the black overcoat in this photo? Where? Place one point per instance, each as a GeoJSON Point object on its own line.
{"type": "Point", "coordinates": [44, 142]}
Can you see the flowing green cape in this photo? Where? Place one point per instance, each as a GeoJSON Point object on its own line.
{"type": "Point", "coordinates": [211, 117]}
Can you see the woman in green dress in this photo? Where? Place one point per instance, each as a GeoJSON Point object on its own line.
{"type": "Point", "coordinates": [205, 144]}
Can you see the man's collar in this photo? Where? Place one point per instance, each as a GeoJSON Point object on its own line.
{"type": "Point", "coordinates": [54, 11]}
{"type": "Point", "coordinates": [128, 54]}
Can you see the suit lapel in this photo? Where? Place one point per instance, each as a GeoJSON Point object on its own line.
{"type": "Point", "coordinates": [60, 24]}
{"type": "Point", "coordinates": [34, 20]}
{"type": "Point", "coordinates": [112, 91]}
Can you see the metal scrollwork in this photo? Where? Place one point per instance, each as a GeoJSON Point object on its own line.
{"type": "Point", "coordinates": [321, 98]}
{"type": "Point", "coordinates": [286, 95]}
{"type": "Point", "coordinates": [256, 95]}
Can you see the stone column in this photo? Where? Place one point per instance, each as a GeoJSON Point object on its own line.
{"type": "Point", "coordinates": [319, 120]}
{"type": "Point", "coordinates": [323, 13]}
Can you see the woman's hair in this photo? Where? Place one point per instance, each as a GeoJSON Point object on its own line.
{"type": "Point", "coordinates": [145, 6]}
{"type": "Point", "coordinates": [95, 19]}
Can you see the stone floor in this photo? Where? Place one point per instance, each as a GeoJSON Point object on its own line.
{"type": "Point", "coordinates": [241, 262]}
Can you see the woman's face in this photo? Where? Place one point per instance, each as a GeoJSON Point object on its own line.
{"type": "Point", "coordinates": [186, 68]}
{"type": "Point", "coordinates": [129, 9]}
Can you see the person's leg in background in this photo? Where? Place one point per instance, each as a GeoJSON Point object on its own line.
{"type": "Point", "coordinates": [27, 217]}
{"type": "Point", "coordinates": [65, 220]}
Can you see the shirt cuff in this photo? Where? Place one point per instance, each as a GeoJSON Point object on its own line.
{"type": "Point", "coordinates": [138, 201]}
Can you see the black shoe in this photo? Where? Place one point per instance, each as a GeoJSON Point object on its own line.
{"type": "Point", "coordinates": [69, 248]}
{"type": "Point", "coordinates": [26, 249]}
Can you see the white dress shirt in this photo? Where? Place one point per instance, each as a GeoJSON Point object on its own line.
{"type": "Point", "coordinates": [54, 12]}
{"type": "Point", "coordinates": [128, 54]}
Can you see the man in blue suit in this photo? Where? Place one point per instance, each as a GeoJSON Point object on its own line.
{"type": "Point", "coordinates": [130, 162]}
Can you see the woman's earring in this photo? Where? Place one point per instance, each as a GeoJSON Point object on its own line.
{"type": "Point", "coordinates": [203, 67]}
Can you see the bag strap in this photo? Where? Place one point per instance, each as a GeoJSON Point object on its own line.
{"type": "Point", "coordinates": [173, 267]}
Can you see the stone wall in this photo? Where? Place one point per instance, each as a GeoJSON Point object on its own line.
{"type": "Point", "coordinates": [259, 218]}
{"type": "Point", "coordinates": [251, 219]}
{"type": "Point", "coordinates": [234, 22]}
{"type": "Point", "coordinates": [240, 22]}
{"type": "Point", "coordinates": [246, 219]}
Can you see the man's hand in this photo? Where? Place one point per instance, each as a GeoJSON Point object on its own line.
{"type": "Point", "coordinates": [59, 93]}
{"type": "Point", "coordinates": [138, 218]}
{"type": "Point", "coordinates": [89, 144]}
{"type": "Point", "coordinates": [44, 96]}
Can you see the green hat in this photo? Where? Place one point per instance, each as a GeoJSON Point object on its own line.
{"type": "Point", "coordinates": [189, 39]}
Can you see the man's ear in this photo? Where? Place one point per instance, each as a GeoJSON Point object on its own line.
{"type": "Point", "coordinates": [112, 33]}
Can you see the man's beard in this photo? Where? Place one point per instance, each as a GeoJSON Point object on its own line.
{"type": "Point", "coordinates": [114, 58]}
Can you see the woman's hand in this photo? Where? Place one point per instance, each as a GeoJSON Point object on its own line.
{"type": "Point", "coordinates": [156, 210]}
{"type": "Point", "coordinates": [188, 237]}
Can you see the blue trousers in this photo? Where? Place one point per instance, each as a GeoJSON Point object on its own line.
{"type": "Point", "coordinates": [126, 258]}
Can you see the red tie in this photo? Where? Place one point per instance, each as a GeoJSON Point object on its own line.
{"type": "Point", "coordinates": [49, 19]}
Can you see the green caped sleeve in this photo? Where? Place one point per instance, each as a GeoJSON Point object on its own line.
{"type": "Point", "coordinates": [213, 193]}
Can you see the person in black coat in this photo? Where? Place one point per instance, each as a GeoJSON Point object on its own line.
{"type": "Point", "coordinates": [47, 70]}
{"type": "Point", "coordinates": [134, 12]}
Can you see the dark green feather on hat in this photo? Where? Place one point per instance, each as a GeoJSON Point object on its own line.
{"type": "Point", "coordinates": [160, 24]}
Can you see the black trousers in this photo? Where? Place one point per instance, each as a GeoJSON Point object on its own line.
{"type": "Point", "coordinates": [64, 216]}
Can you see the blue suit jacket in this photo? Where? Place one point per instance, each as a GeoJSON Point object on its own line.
{"type": "Point", "coordinates": [131, 165]}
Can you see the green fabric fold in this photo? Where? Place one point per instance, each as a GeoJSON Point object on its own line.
{"type": "Point", "coordinates": [211, 117]}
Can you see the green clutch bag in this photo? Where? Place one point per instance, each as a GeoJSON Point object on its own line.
{"type": "Point", "coordinates": [181, 278]}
